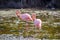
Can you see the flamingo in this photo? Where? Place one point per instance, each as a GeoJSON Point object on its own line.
{"type": "Point", "coordinates": [37, 22]}
{"type": "Point", "coordinates": [25, 17]}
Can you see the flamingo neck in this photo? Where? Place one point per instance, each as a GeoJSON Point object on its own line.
{"type": "Point", "coordinates": [34, 19]}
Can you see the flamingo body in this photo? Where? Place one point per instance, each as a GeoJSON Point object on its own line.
{"type": "Point", "coordinates": [26, 17]}
{"type": "Point", "coordinates": [37, 23]}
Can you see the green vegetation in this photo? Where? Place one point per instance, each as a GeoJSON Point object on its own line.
{"type": "Point", "coordinates": [50, 26]}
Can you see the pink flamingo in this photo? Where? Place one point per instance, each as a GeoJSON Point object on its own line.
{"type": "Point", "coordinates": [37, 22]}
{"type": "Point", "coordinates": [25, 17]}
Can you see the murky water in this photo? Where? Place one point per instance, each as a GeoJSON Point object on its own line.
{"type": "Point", "coordinates": [11, 24]}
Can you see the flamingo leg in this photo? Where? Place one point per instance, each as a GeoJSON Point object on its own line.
{"type": "Point", "coordinates": [27, 26]}
{"type": "Point", "coordinates": [34, 27]}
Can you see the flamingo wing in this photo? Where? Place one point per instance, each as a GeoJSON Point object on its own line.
{"type": "Point", "coordinates": [26, 17]}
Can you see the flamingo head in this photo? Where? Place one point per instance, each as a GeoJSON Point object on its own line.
{"type": "Point", "coordinates": [33, 16]}
{"type": "Point", "coordinates": [18, 13]}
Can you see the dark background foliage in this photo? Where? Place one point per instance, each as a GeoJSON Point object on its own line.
{"type": "Point", "coordinates": [29, 4]}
